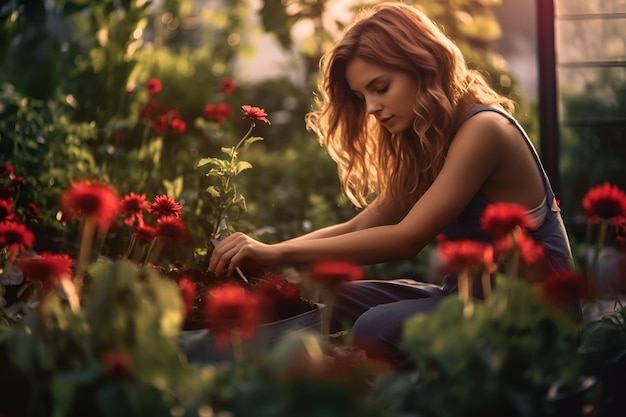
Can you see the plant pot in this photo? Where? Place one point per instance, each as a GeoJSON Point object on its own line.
{"type": "Point", "coordinates": [199, 345]}
{"type": "Point", "coordinates": [612, 380]}
{"type": "Point", "coordinates": [572, 400]}
{"type": "Point", "coordinates": [610, 271]}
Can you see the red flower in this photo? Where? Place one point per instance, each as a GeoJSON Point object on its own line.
{"type": "Point", "coordinates": [94, 200]}
{"type": "Point", "coordinates": [188, 293]}
{"type": "Point", "coordinates": [230, 307]}
{"type": "Point", "coordinates": [7, 170]}
{"type": "Point", "coordinates": [16, 237]}
{"type": "Point", "coordinates": [171, 229]}
{"type": "Point", "coordinates": [32, 211]}
{"type": "Point", "coordinates": [178, 126]}
{"type": "Point", "coordinates": [153, 86]}
{"type": "Point", "coordinates": [563, 288]}
{"type": "Point", "coordinates": [48, 268]}
{"type": "Point", "coordinates": [144, 233]}
{"type": "Point", "coordinates": [276, 290]}
{"type": "Point", "coordinates": [254, 114]}
{"type": "Point", "coordinates": [117, 364]}
{"type": "Point", "coordinates": [164, 206]}
{"type": "Point", "coordinates": [173, 114]}
{"type": "Point", "coordinates": [217, 113]}
{"type": "Point", "coordinates": [146, 112]}
{"type": "Point", "coordinates": [160, 124]}
{"type": "Point", "coordinates": [132, 206]}
{"type": "Point", "coordinates": [334, 273]}
{"type": "Point", "coordinates": [605, 201]}
{"type": "Point", "coordinates": [227, 86]}
{"type": "Point", "coordinates": [6, 209]}
{"type": "Point", "coordinates": [500, 219]}
{"type": "Point", "coordinates": [462, 254]}
{"type": "Point", "coordinates": [529, 249]}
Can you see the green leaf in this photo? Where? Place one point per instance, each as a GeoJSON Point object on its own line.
{"type": "Point", "coordinates": [174, 188]}
{"type": "Point", "coordinates": [250, 141]}
{"type": "Point", "coordinates": [213, 161]}
{"type": "Point", "coordinates": [275, 20]}
{"type": "Point", "coordinates": [213, 191]}
{"type": "Point", "coordinates": [215, 173]}
{"type": "Point", "coordinates": [241, 166]}
{"type": "Point", "coordinates": [229, 151]}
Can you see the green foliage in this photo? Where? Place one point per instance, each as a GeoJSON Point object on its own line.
{"type": "Point", "coordinates": [302, 191]}
{"type": "Point", "coordinates": [296, 379]}
{"type": "Point", "coordinates": [222, 197]}
{"type": "Point", "coordinates": [594, 152]}
{"type": "Point", "coordinates": [512, 345]}
{"type": "Point", "coordinates": [48, 150]}
{"type": "Point", "coordinates": [128, 310]}
{"type": "Point", "coordinates": [603, 340]}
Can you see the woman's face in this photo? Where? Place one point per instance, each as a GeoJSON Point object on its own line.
{"type": "Point", "coordinates": [389, 95]}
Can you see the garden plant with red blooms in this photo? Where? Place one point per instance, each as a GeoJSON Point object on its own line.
{"type": "Point", "coordinates": [227, 86]}
{"type": "Point", "coordinates": [165, 206]}
{"type": "Point", "coordinates": [217, 112]}
{"type": "Point", "coordinates": [97, 204]}
{"type": "Point", "coordinates": [132, 207]}
{"type": "Point", "coordinates": [460, 255]}
{"type": "Point", "coordinates": [188, 292]}
{"type": "Point", "coordinates": [334, 273]}
{"type": "Point", "coordinates": [328, 276]}
{"type": "Point", "coordinates": [221, 197]}
{"type": "Point", "coordinates": [46, 269]}
{"type": "Point", "coordinates": [254, 114]}
{"type": "Point", "coordinates": [468, 258]}
{"type": "Point", "coordinates": [95, 201]}
{"type": "Point", "coordinates": [563, 288]}
{"type": "Point", "coordinates": [153, 86]}
{"type": "Point", "coordinates": [605, 209]}
{"type": "Point", "coordinates": [232, 313]}
{"type": "Point", "coordinates": [509, 304]}
{"type": "Point", "coordinates": [15, 238]}
{"type": "Point", "coordinates": [500, 219]}
{"type": "Point", "coordinates": [605, 201]}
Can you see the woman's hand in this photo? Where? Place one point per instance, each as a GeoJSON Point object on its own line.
{"type": "Point", "coordinates": [238, 248]}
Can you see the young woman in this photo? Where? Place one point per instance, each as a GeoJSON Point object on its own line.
{"type": "Point", "coordinates": [423, 145]}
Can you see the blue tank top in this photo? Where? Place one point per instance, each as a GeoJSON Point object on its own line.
{"type": "Point", "coordinates": [551, 233]}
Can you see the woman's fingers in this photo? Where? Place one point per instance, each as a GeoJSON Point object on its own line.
{"type": "Point", "coordinates": [225, 254]}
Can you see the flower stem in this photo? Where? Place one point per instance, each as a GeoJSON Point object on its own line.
{"type": "Point", "coordinates": [485, 280]}
{"type": "Point", "coordinates": [238, 145]}
{"type": "Point", "coordinates": [156, 246]}
{"type": "Point", "coordinates": [593, 268]}
{"type": "Point", "coordinates": [329, 300]}
{"type": "Point", "coordinates": [465, 292]}
{"type": "Point", "coordinates": [237, 344]}
{"type": "Point", "coordinates": [131, 246]}
{"type": "Point", "coordinates": [84, 254]}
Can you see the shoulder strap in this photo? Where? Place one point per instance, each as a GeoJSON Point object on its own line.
{"type": "Point", "coordinates": [549, 193]}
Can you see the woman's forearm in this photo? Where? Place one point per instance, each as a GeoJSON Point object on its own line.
{"type": "Point", "coordinates": [325, 232]}
{"type": "Point", "coordinates": [368, 246]}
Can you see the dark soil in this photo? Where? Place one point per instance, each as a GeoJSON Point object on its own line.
{"type": "Point", "coordinates": [282, 307]}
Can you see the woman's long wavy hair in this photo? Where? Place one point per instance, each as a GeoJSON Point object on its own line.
{"type": "Point", "coordinates": [370, 160]}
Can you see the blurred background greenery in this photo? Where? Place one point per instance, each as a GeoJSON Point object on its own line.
{"type": "Point", "coordinates": [72, 75]}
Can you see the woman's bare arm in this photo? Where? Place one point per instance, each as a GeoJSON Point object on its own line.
{"type": "Point", "coordinates": [474, 155]}
{"type": "Point", "coordinates": [378, 213]}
